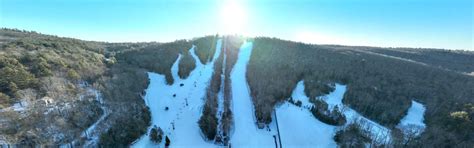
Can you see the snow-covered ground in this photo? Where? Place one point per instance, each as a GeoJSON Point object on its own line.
{"type": "Point", "coordinates": [299, 128]}
{"type": "Point", "coordinates": [21, 106]}
{"type": "Point", "coordinates": [92, 134]}
{"type": "Point", "coordinates": [413, 123]}
{"type": "Point", "coordinates": [180, 121]}
{"type": "Point", "coordinates": [18, 107]}
{"type": "Point", "coordinates": [379, 133]}
{"type": "Point", "coordinates": [299, 95]}
{"type": "Point", "coordinates": [246, 133]}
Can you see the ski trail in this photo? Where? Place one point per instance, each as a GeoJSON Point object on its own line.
{"type": "Point", "coordinates": [246, 133]}
{"type": "Point", "coordinates": [176, 108]}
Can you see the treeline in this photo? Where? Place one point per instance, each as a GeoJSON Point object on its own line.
{"type": "Point", "coordinates": [205, 47]}
{"type": "Point", "coordinates": [378, 87]}
{"type": "Point", "coordinates": [186, 65]}
{"type": "Point", "coordinates": [157, 58]}
{"type": "Point", "coordinates": [160, 57]}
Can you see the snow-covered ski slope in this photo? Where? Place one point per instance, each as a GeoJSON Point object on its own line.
{"type": "Point", "coordinates": [246, 133]}
{"type": "Point", "coordinates": [180, 121]}
{"type": "Point", "coordinates": [297, 127]}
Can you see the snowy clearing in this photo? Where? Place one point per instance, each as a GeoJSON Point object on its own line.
{"type": "Point", "coordinates": [379, 133]}
{"type": "Point", "coordinates": [413, 123]}
{"type": "Point", "coordinates": [180, 121]}
{"type": "Point", "coordinates": [299, 128]}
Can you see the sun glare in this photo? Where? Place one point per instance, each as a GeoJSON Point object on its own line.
{"type": "Point", "coordinates": [233, 17]}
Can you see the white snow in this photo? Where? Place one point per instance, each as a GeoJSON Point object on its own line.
{"type": "Point", "coordinates": [91, 134]}
{"type": "Point", "coordinates": [299, 95]}
{"type": "Point", "coordinates": [179, 123]}
{"type": "Point", "coordinates": [471, 74]}
{"type": "Point", "coordinates": [246, 133]}
{"type": "Point", "coordinates": [21, 106]}
{"type": "Point", "coordinates": [299, 128]}
{"type": "Point", "coordinates": [413, 123]}
{"type": "Point", "coordinates": [379, 133]}
{"type": "Point", "coordinates": [18, 107]}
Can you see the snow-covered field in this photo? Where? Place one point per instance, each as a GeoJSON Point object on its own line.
{"type": "Point", "coordinates": [413, 123]}
{"type": "Point", "coordinates": [180, 121]}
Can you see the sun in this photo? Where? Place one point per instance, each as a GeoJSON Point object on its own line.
{"type": "Point", "coordinates": [233, 17]}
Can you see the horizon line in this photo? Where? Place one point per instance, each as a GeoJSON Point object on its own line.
{"type": "Point", "coordinates": [246, 36]}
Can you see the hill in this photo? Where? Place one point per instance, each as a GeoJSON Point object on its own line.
{"type": "Point", "coordinates": [64, 91]}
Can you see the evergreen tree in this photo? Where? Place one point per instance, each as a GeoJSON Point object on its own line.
{"type": "Point", "coordinates": [167, 141]}
{"type": "Point", "coordinates": [156, 134]}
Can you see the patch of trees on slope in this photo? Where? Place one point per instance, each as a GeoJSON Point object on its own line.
{"type": "Point", "coordinates": [209, 123]}
{"type": "Point", "coordinates": [380, 88]}
{"type": "Point", "coordinates": [43, 73]}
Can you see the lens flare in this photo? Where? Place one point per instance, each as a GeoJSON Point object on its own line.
{"type": "Point", "coordinates": [233, 17]}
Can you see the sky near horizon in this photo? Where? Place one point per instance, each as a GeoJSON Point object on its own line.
{"type": "Point", "coordinates": [388, 23]}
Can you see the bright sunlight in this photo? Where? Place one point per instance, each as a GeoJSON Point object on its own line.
{"type": "Point", "coordinates": [233, 17]}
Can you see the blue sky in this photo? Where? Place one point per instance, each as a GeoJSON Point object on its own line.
{"type": "Point", "coordinates": [389, 23]}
